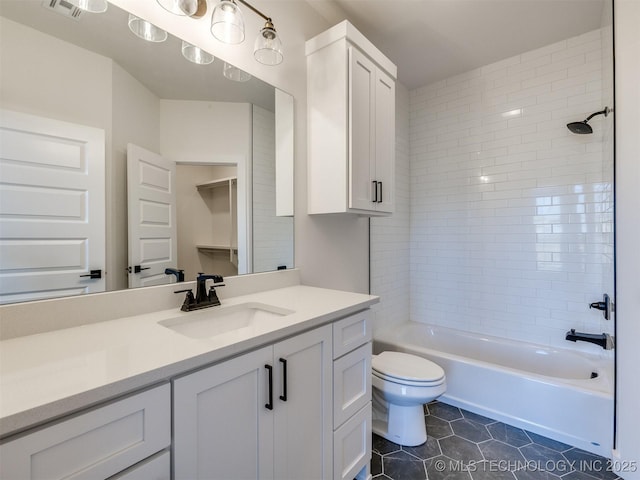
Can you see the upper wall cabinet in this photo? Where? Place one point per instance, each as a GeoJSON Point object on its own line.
{"type": "Point", "coordinates": [351, 136]}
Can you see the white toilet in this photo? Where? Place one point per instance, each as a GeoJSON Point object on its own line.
{"type": "Point", "coordinates": [402, 384]}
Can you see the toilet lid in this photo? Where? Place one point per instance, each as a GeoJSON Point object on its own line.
{"type": "Point", "coordinates": [404, 366]}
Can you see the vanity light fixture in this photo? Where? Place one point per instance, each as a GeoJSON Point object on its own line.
{"type": "Point", "coordinates": [227, 22]}
{"type": "Point", "coordinates": [93, 6]}
{"type": "Point", "coordinates": [227, 25]}
{"type": "Point", "coordinates": [196, 54]}
{"type": "Point", "coordinates": [180, 7]}
{"type": "Point", "coordinates": [145, 30]}
{"type": "Point", "coordinates": [234, 73]}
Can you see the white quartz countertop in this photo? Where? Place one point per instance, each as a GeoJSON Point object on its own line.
{"type": "Point", "coordinates": [52, 374]}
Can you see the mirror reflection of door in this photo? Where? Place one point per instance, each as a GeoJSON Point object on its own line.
{"type": "Point", "coordinates": [52, 197]}
{"type": "Point", "coordinates": [181, 216]}
{"type": "Point", "coordinates": [151, 203]}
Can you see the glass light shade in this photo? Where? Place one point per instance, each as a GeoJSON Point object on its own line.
{"type": "Point", "coordinates": [227, 23]}
{"type": "Point", "coordinates": [93, 6]}
{"type": "Point", "coordinates": [196, 54]}
{"type": "Point", "coordinates": [146, 30]}
{"type": "Point", "coordinates": [180, 7]}
{"type": "Point", "coordinates": [268, 47]}
{"type": "Point", "coordinates": [234, 73]}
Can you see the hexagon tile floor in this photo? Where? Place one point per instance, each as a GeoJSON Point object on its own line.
{"type": "Point", "coordinates": [464, 446]}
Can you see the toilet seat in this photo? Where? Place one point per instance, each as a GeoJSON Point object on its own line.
{"type": "Point", "coordinates": [407, 369]}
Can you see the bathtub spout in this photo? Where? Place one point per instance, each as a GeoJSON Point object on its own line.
{"type": "Point", "coordinates": [605, 340]}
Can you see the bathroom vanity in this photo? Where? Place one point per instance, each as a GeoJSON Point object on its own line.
{"type": "Point", "coordinates": [274, 383]}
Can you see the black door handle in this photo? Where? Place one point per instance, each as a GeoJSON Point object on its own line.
{"type": "Point", "coordinates": [269, 404]}
{"type": "Point", "coordinates": [375, 191]}
{"type": "Point", "coordinates": [138, 269]}
{"type": "Point", "coordinates": [283, 397]}
{"type": "Point", "coordinates": [380, 196]}
{"type": "Point", "coordinates": [93, 274]}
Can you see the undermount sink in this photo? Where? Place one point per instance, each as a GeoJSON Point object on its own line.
{"type": "Point", "coordinates": [214, 321]}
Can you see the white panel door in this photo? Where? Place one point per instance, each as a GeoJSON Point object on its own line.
{"type": "Point", "coordinates": [52, 207]}
{"type": "Point", "coordinates": [151, 196]}
{"type": "Point", "coordinates": [361, 142]}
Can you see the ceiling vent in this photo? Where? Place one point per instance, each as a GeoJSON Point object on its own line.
{"type": "Point", "coordinates": [63, 8]}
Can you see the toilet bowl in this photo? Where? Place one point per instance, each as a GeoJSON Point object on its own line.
{"type": "Point", "coordinates": [402, 384]}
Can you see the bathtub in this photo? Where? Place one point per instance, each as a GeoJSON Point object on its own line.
{"type": "Point", "coordinates": [548, 391]}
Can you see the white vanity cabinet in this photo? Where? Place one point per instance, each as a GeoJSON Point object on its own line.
{"type": "Point", "coordinates": [121, 437]}
{"type": "Point", "coordinates": [351, 124]}
{"type": "Point", "coordinates": [352, 396]}
{"type": "Point", "coordinates": [264, 414]}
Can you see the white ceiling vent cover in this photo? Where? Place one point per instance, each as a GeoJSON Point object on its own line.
{"type": "Point", "coordinates": [63, 8]}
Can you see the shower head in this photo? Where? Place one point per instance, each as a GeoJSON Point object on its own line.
{"type": "Point", "coordinates": [583, 127]}
{"type": "Point", "coordinates": [580, 127]}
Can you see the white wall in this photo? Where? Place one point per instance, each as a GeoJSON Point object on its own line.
{"type": "Point", "coordinates": [509, 220]}
{"type": "Point", "coordinates": [627, 41]}
{"type": "Point", "coordinates": [272, 246]}
{"type": "Point", "coordinates": [216, 132]}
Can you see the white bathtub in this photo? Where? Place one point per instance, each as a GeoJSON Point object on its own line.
{"type": "Point", "coordinates": [548, 391]}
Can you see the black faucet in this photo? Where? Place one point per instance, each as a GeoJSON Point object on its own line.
{"type": "Point", "coordinates": [602, 339]}
{"type": "Point", "coordinates": [202, 299]}
{"type": "Point", "coordinates": [174, 271]}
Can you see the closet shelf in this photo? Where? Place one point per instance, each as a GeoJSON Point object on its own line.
{"type": "Point", "coordinates": [221, 182]}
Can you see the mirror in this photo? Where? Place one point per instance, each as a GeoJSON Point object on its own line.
{"type": "Point", "coordinates": [88, 72]}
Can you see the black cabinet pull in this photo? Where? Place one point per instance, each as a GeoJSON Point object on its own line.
{"type": "Point", "coordinates": [379, 197]}
{"type": "Point", "coordinates": [93, 274]}
{"type": "Point", "coordinates": [269, 404]}
{"type": "Point", "coordinates": [375, 191]}
{"type": "Point", "coordinates": [283, 397]}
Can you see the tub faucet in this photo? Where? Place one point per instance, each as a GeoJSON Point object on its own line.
{"type": "Point", "coordinates": [605, 340]}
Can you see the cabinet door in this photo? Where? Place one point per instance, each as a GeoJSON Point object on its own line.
{"type": "Point", "coordinates": [222, 429]}
{"type": "Point", "coordinates": [303, 414]}
{"type": "Point", "coordinates": [95, 444]}
{"type": "Point", "coordinates": [362, 85]}
{"type": "Point", "coordinates": [385, 142]}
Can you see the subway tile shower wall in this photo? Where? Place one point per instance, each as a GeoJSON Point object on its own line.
{"type": "Point", "coordinates": [511, 215]}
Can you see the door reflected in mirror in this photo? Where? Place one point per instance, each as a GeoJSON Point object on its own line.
{"type": "Point", "coordinates": [91, 71]}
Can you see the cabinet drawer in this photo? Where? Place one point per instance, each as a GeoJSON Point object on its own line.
{"type": "Point", "coordinates": [156, 468]}
{"type": "Point", "coordinates": [351, 383]}
{"type": "Point", "coordinates": [352, 445]}
{"type": "Point", "coordinates": [96, 444]}
{"type": "Point", "coordinates": [351, 332]}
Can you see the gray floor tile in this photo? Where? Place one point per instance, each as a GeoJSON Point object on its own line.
{"type": "Point", "coordinates": [376, 464]}
{"type": "Point", "coordinates": [443, 468]}
{"type": "Point", "coordinates": [547, 442]}
{"type": "Point", "coordinates": [593, 465]}
{"type": "Point", "coordinates": [470, 430]}
{"type": "Point", "coordinates": [437, 428]}
{"type": "Point", "coordinates": [460, 449]}
{"type": "Point", "coordinates": [496, 451]}
{"type": "Point", "coordinates": [490, 471]}
{"type": "Point", "coordinates": [402, 466]}
{"type": "Point", "coordinates": [429, 449]}
{"type": "Point", "coordinates": [477, 418]}
{"type": "Point", "coordinates": [528, 474]}
{"type": "Point", "coordinates": [508, 434]}
{"type": "Point", "coordinates": [546, 458]}
{"type": "Point", "coordinates": [444, 411]}
{"type": "Point", "coordinates": [384, 446]}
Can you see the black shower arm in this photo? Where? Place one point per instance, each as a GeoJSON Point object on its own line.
{"type": "Point", "coordinates": [604, 112]}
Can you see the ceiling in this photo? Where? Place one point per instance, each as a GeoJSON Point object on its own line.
{"type": "Point", "coordinates": [430, 40]}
